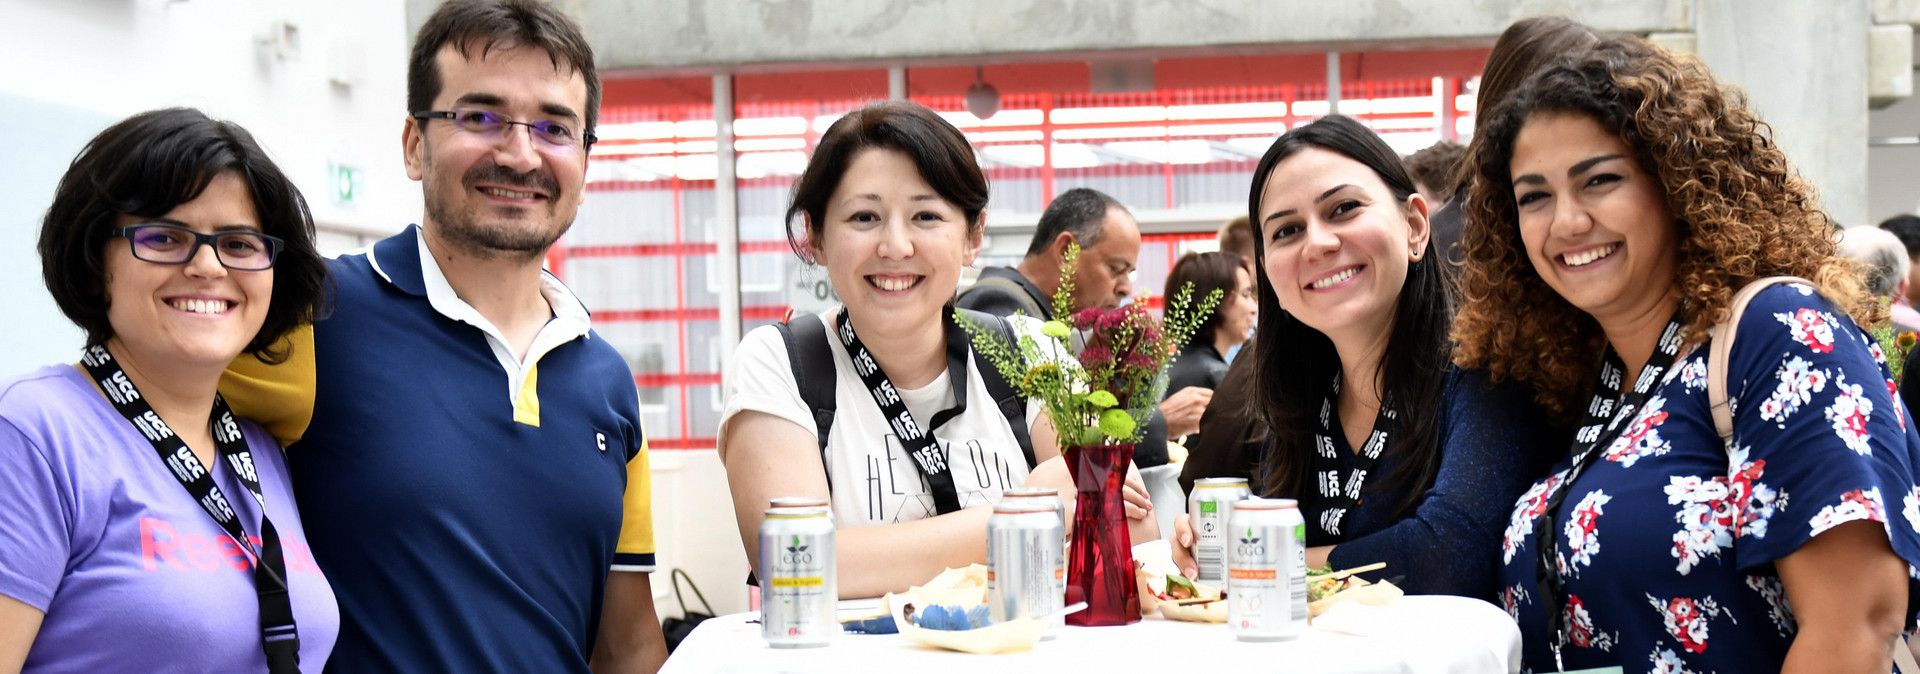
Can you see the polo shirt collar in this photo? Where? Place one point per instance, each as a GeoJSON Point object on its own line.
{"type": "Point", "coordinates": [404, 261]}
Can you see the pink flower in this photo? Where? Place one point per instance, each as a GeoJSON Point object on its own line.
{"type": "Point", "coordinates": [1140, 361]}
{"type": "Point", "coordinates": [1094, 357]}
{"type": "Point", "coordinates": [1086, 318]}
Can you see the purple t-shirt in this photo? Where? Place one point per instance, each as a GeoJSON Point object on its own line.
{"type": "Point", "coordinates": [131, 573]}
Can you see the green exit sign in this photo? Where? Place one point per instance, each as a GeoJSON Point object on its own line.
{"type": "Point", "coordinates": [346, 183]}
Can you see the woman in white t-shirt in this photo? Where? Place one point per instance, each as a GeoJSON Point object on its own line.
{"type": "Point", "coordinates": [892, 204]}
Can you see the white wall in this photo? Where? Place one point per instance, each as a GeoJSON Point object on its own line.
{"type": "Point", "coordinates": [76, 66]}
{"type": "Point", "coordinates": [1893, 173]}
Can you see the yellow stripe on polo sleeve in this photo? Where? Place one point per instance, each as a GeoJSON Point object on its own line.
{"type": "Point", "coordinates": [279, 396]}
{"type": "Point", "coordinates": [635, 549]}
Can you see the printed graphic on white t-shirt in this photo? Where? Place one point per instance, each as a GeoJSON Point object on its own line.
{"type": "Point", "coordinates": [873, 478]}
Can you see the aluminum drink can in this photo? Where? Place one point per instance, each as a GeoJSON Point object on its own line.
{"type": "Point", "coordinates": [1267, 570]}
{"type": "Point", "coordinates": [801, 502]}
{"type": "Point", "coordinates": [1026, 561]}
{"type": "Point", "coordinates": [799, 597]}
{"type": "Point", "coordinates": [1209, 512]}
{"type": "Point", "coordinates": [1050, 497]}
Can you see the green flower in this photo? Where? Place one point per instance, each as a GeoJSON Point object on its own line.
{"type": "Point", "coordinates": [1102, 399]}
{"type": "Point", "coordinates": [1116, 423]}
{"type": "Point", "coordinates": [1055, 329]}
{"type": "Point", "coordinates": [1091, 437]}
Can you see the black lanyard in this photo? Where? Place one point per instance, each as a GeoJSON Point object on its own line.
{"type": "Point", "coordinates": [1341, 496]}
{"type": "Point", "coordinates": [279, 637]}
{"type": "Point", "coordinates": [1602, 424]}
{"type": "Point", "coordinates": [920, 444]}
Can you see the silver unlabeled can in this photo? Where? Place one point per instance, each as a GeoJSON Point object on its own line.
{"type": "Point", "coordinates": [1267, 570]}
{"type": "Point", "coordinates": [1209, 512]}
{"type": "Point", "coordinates": [799, 598]}
{"type": "Point", "coordinates": [801, 502]}
{"type": "Point", "coordinates": [1026, 556]}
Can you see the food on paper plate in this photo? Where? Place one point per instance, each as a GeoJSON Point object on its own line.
{"type": "Point", "coordinates": [1163, 588]}
{"type": "Point", "coordinates": [961, 629]}
{"type": "Point", "coordinates": [1326, 588]}
{"type": "Point", "coordinates": [964, 586]}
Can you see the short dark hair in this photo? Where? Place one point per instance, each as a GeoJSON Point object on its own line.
{"type": "Point", "coordinates": [1237, 237]}
{"type": "Point", "coordinates": [1207, 272]}
{"type": "Point", "coordinates": [941, 153]}
{"type": "Point", "coordinates": [1081, 210]}
{"type": "Point", "coordinates": [149, 164]}
{"type": "Point", "coordinates": [499, 24]}
{"type": "Point", "coordinates": [1296, 363]}
{"type": "Point", "coordinates": [1438, 167]}
{"type": "Point", "coordinates": [1906, 226]}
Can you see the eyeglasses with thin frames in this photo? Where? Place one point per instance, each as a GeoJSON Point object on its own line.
{"type": "Point", "coordinates": [162, 243]}
{"type": "Point", "coordinates": [558, 137]}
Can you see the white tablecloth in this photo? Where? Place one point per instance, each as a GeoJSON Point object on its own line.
{"type": "Point", "coordinates": [1421, 635]}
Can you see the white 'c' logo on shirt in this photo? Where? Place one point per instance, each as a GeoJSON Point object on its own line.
{"type": "Point", "coordinates": [601, 439]}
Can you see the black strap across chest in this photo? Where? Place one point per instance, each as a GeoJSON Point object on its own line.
{"type": "Point", "coordinates": [811, 358]}
{"type": "Point", "coordinates": [1603, 423]}
{"type": "Point", "coordinates": [918, 442]}
{"type": "Point", "coordinates": [279, 637]}
{"type": "Point", "coordinates": [1340, 495]}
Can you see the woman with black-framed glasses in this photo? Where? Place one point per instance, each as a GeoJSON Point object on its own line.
{"type": "Point", "coordinates": [142, 526]}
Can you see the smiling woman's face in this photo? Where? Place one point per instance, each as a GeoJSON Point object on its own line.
{"type": "Point", "coordinates": [198, 313]}
{"type": "Point", "coordinates": [892, 246]}
{"type": "Point", "coordinates": [1594, 222]}
{"type": "Point", "coordinates": [1336, 243]}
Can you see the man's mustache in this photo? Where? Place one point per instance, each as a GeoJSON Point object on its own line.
{"type": "Point", "coordinates": [499, 175]}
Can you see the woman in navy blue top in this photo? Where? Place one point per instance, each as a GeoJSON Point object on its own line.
{"type": "Point", "coordinates": [1393, 456]}
{"type": "Point", "coordinates": [1620, 199]}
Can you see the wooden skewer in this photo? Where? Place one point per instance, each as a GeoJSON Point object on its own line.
{"type": "Point", "coordinates": [1337, 575]}
{"type": "Point", "coordinates": [1197, 600]}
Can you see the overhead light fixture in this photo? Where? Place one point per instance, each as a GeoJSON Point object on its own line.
{"type": "Point", "coordinates": [982, 99]}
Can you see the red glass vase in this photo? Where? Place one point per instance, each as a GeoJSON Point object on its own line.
{"type": "Point", "coordinates": [1100, 558]}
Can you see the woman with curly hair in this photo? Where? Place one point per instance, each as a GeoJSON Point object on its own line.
{"type": "Point", "coordinates": [1394, 456]}
{"type": "Point", "coordinates": [1621, 198]}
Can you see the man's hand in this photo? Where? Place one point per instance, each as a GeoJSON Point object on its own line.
{"type": "Point", "coordinates": [1183, 410]}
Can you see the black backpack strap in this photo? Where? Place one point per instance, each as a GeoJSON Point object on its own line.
{"type": "Point", "coordinates": [812, 360]}
{"type": "Point", "coordinates": [1005, 396]}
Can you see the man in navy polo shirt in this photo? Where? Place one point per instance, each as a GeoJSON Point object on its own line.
{"type": "Point", "coordinates": [466, 452]}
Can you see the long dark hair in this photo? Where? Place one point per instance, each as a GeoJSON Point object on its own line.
{"type": "Point", "coordinates": [1295, 364]}
{"type": "Point", "coordinates": [1207, 272]}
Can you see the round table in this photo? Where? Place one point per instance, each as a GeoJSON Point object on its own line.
{"type": "Point", "coordinates": [1420, 635]}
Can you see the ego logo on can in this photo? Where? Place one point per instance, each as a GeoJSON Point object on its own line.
{"type": "Point", "coordinates": [1250, 546]}
{"type": "Point", "coordinates": [796, 554]}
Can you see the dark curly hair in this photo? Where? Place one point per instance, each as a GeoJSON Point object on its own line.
{"type": "Point", "coordinates": [149, 164]}
{"type": "Point", "coordinates": [1742, 213]}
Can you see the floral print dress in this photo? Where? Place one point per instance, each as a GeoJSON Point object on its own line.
{"type": "Point", "coordinates": [1667, 539]}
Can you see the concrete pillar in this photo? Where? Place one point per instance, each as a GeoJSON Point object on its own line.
{"type": "Point", "coordinates": [726, 216]}
{"type": "Point", "coordinates": [1333, 83]}
{"type": "Point", "coordinates": [1809, 83]}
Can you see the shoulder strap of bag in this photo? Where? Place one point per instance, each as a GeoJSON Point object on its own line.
{"type": "Point", "coordinates": [1723, 334]}
{"type": "Point", "coordinates": [1722, 352]}
{"type": "Point", "coordinates": [1005, 396]}
{"type": "Point", "coordinates": [812, 361]}
{"type": "Point", "coordinates": [678, 575]}
{"type": "Point", "coordinates": [1012, 287]}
